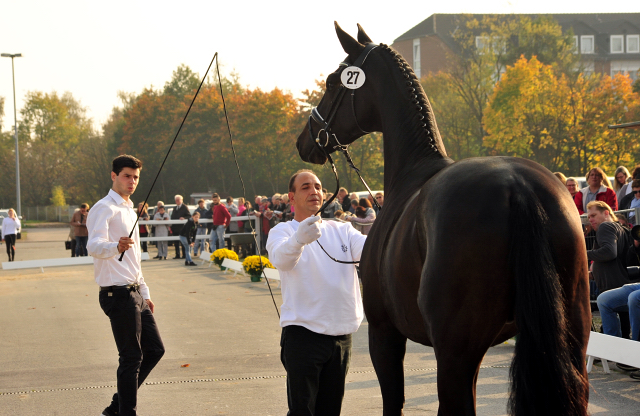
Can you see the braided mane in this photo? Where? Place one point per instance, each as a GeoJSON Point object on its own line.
{"type": "Point", "coordinates": [416, 93]}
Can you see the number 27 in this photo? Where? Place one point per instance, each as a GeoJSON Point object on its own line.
{"type": "Point", "coordinates": [351, 75]}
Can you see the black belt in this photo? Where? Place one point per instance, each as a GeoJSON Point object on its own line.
{"type": "Point", "coordinates": [130, 288]}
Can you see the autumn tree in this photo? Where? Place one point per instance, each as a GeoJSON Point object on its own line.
{"type": "Point", "coordinates": [483, 48]}
{"type": "Point", "coordinates": [561, 123]}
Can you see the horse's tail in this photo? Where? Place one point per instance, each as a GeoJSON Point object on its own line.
{"type": "Point", "coordinates": [544, 380]}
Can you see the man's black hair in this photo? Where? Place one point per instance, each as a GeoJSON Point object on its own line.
{"type": "Point", "coordinates": [125, 161]}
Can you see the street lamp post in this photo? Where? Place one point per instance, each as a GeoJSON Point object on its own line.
{"type": "Point", "coordinates": [15, 126]}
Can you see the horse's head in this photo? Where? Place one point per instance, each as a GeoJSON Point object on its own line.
{"type": "Point", "coordinates": [338, 120]}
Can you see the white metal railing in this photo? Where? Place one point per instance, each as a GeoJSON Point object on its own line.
{"type": "Point", "coordinates": [257, 228]}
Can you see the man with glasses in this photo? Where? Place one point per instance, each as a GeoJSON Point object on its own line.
{"type": "Point", "coordinates": [572, 186]}
{"type": "Point", "coordinates": [380, 200]}
{"type": "Point", "coordinates": [632, 201]}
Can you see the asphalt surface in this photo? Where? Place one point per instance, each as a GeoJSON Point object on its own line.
{"type": "Point", "coordinates": [58, 357]}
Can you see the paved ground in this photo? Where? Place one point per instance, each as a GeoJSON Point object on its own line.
{"type": "Point", "coordinates": [57, 355]}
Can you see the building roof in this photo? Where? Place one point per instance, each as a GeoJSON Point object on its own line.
{"type": "Point", "coordinates": [600, 25]}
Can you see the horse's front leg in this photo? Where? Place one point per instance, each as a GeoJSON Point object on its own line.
{"type": "Point", "coordinates": [387, 347]}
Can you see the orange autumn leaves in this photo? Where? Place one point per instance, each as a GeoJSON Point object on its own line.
{"type": "Point", "coordinates": [561, 121]}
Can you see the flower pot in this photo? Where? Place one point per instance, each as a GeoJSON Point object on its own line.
{"type": "Point", "coordinates": [256, 277]}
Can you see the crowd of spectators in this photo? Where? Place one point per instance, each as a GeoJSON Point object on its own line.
{"type": "Point", "coordinates": [268, 210]}
{"type": "Point", "coordinates": [611, 248]}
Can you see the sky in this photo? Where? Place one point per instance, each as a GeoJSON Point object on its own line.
{"type": "Point", "coordinates": [95, 49]}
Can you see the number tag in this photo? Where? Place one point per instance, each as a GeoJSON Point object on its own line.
{"type": "Point", "coordinates": [352, 77]}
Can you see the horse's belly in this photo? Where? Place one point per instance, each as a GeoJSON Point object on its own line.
{"type": "Point", "coordinates": [402, 268]}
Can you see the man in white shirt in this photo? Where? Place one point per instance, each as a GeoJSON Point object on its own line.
{"type": "Point", "coordinates": [124, 295]}
{"type": "Point", "coordinates": [322, 305]}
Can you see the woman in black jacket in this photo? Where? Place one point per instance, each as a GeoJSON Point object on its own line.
{"type": "Point", "coordinates": [188, 236]}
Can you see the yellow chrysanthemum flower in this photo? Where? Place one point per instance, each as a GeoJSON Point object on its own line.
{"type": "Point", "coordinates": [251, 264]}
{"type": "Point", "coordinates": [222, 253]}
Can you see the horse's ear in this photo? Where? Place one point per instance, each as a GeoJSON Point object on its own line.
{"type": "Point", "coordinates": [363, 37]}
{"type": "Point", "coordinates": [349, 44]}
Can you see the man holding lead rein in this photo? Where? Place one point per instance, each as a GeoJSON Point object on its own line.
{"type": "Point", "coordinates": [124, 295]}
{"type": "Point", "coordinates": [322, 305]}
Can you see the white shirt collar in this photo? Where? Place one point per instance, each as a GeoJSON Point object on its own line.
{"type": "Point", "coordinates": [119, 200]}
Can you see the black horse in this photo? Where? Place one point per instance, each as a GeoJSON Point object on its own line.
{"type": "Point", "coordinates": [464, 255]}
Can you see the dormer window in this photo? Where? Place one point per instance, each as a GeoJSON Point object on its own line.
{"type": "Point", "coordinates": [416, 57]}
{"type": "Point", "coordinates": [587, 44]}
{"type": "Point", "coordinates": [617, 43]}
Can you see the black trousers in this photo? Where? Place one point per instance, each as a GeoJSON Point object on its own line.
{"type": "Point", "coordinates": [139, 344]}
{"type": "Point", "coordinates": [143, 244]}
{"type": "Point", "coordinates": [317, 367]}
{"type": "Point", "coordinates": [10, 242]}
{"type": "Point", "coordinates": [179, 246]}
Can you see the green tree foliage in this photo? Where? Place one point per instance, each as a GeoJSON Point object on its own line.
{"type": "Point", "coordinates": [50, 133]}
{"type": "Point", "coordinates": [183, 82]}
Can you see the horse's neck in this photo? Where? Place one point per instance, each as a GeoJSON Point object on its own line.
{"type": "Point", "coordinates": [409, 160]}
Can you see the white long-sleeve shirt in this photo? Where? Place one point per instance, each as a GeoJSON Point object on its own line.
{"type": "Point", "coordinates": [10, 226]}
{"type": "Point", "coordinates": [318, 293]}
{"type": "Point", "coordinates": [111, 218]}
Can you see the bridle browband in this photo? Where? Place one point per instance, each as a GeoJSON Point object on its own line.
{"type": "Point", "coordinates": [328, 134]}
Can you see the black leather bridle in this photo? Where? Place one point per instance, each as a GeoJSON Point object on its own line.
{"type": "Point", "coordinates": [326, 129]}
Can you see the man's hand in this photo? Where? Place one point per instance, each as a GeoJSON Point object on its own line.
{"type": "Point", "coordinates": [308, 230]}
{"type": "Point", "coordinates": [125, 244]}
{"type": "Point", "coordinates": [151, 305]}
{"type": "Point", "coordinates": [191, 245]}
{"type": "Point", "coordinates": [636, 243]}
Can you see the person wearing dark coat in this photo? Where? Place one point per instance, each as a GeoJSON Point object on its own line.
{"type": "Point", "coordinates": [188, 236]}
{"type": "Point", "coordinates": [609, 253]}
{"type": "Point", "coordinates": [631, 200]}
{"type": "Point", "coordinates": [180, 212]}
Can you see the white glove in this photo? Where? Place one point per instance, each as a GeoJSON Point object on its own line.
{"type": "Point", "coordinates": [308, 230]}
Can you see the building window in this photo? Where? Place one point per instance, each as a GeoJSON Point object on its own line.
{"type": "Point", "coordinates": [575, 44]}
{"type": "Point", "coordinates": [626, 67]}
{"type": "Point", "coordinates": [633, 43]}
{"type": "Point", "coordinates": [416, 57]}
{"type": "Point", "coordinates": [586, 44]}
{"type": "Point", "coordinates": [617, 44]}
{"type": "Point", "coordinates": [482, 43]}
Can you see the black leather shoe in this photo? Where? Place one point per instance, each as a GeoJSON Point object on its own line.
{"type": "Point", "coordinates": [156, 257]}
{"type": "Point", "coordinates": [191, 264]}
{"type": "Point", "coordinates": [625, 367]}
{"type": "Point", "coordinates": [109, 412]}
{"type": "Point", "coordinates": [183, 257]}
{"type": "Point", "coordinates": [177, 258]}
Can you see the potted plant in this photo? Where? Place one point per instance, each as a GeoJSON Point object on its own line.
{"type": "Point", "coordinates": [220, 254]}
{"type": "Point", "coordinates": [253, 267]}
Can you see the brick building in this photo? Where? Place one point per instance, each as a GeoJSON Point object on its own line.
{"type": "Point", "coordinates": [608, 43]}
